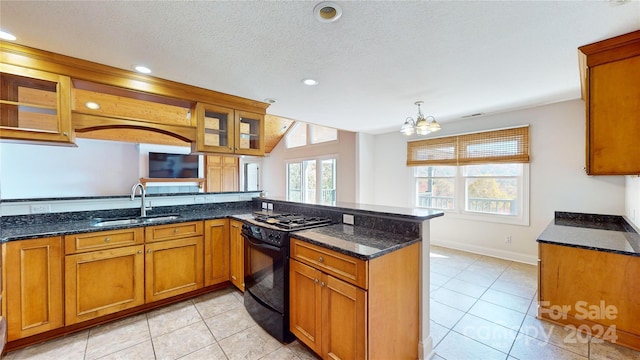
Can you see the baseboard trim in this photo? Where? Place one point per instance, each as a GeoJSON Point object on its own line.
{"type": "Point", "coordinates": [501, 254]}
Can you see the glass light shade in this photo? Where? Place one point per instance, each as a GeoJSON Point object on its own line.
{"type": "Point", "coordinates": [433, 125]}
{"type": "Point", "coordinates": [407, 128]}
{"type": "Point", "coordinates": [422, 126]}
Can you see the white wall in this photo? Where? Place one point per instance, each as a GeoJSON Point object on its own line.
{"type": "Point", "coordinates": [557, 180]}
{"type": "Point", "coordinates": [93, 168]}
{"type": "Point", "coordinates": [274, 171]}
{"type": "Point", "coordinates": [632, 199]}
{"type": "Point", "coordinates": [365, 166]}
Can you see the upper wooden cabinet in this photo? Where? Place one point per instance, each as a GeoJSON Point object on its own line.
{"type": "Point", "coordinates": [34, 105]}
{"type": "Point", "coordinates": [225, 130]}
{"type": "Point", "coordinates": [610, 75]}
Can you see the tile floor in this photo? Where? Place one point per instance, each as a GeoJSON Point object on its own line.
{"type": "Point", "coordinates": [481, 308]}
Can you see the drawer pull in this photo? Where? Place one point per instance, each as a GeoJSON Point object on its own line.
{"type": "Point", "coordinates": [148, 251]}
{"type": "Point", "coordinates": [234, 278]}
{"type": "Point", "coordinates": [322, 284]}
{"type": "Point", "coordinates": [315, 281]}
{"type": "Point", "coordinates": [175, 231]}
{"type": "Point", "coordinates": [107, 239]}
{"type": "Point", "coordinates": [321, 259]}
{"type": "Point", "coordinates": [139, 251]}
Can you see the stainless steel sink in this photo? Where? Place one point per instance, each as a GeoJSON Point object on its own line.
{"type": "Point", "coordinates": [137, 220]}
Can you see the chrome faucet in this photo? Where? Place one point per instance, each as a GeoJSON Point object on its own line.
{"type": "Point", "coordinates": [143, 208]}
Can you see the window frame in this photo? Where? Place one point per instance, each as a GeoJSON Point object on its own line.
{"type": "Point", "coordinates": [318, 164]}
{"type": "Point", "coordinates": [309, 136]}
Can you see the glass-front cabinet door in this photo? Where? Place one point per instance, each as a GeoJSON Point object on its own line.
{"type": "Point", "coordinates": [249, 133]}
{"type": "Point", "coordinates": [214, 129]}
{"type": "Point", "coordinates": [34, 105]}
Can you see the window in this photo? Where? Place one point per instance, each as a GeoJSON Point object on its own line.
{"type": "Point", "coordinates": [305, 183]}
{"type": "Point", "coordinates": [482, 175]}
{"type": "Point", "coordinates": [302, 134]}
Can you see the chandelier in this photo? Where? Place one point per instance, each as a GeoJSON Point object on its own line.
{"type": "Point", "coordinates": [420, 126]}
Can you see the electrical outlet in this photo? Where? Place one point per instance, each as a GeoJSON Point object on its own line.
{"type": "Point", "coordinates": [40, 208]}
{"type": "Point", "coordinates": [507, 239]}
{"type": "Point", "coordinates": [264, 206]}
{"type": "Point", "coordinates": [270, 206]}
{"type": "Point", "coordinates": [347, 219]}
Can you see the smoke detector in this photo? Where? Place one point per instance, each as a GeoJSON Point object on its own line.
{"type": "Point", "coordinates": [327, 11]}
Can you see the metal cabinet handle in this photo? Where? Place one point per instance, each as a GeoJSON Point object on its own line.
{"type": "Point", "coordinates": [175, 231]}
{"type": "Point", "coordinates": [321, 259]}
{"type": "Point", "coordinates": [107, 239]}
{"type": "Point", "coordinates": [139, 251]}
{"type": "Point", "coordinates": [148, 251]}
{"type": "Point", "coordinates": [315, 281]}
{"type": "Point", "coordinates": [322, 284]}
{"type": "Point", "coordinates": [233, 277]}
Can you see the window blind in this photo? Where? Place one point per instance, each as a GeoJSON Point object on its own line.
{"type": "Point", "coordinates": [496, 146]}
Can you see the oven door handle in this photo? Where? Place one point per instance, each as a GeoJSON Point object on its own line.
{"type": "Point", "coordinates": [261, 245]}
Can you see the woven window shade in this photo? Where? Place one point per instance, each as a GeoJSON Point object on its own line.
{"type": "Point", "coordinates": [498, 146]}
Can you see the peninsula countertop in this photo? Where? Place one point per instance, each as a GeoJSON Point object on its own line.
{"type": "Point", "coordinates": [608, 233]}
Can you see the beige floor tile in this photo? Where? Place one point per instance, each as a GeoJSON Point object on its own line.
{"type": "Point", "coordinates": [249, 344]}
{"type": "Point", "coordinates": [445, 270]}
{"type": "Point", "coordinates": [70, 347]}
{"type": "Point", "coordinates": [486, 332]}
{"type": "Point", "coordinates": [438, 279]}
{"type": "Point", "coordinates": [282, 353]}
{"type": "Point", "coordinates": [564, 337]}
{"type": "Point", "coordinates": [115, 336]}
{"type": "Point", "coordinates": [443, 314]}
{"type": "Point", "coordinates": [454, 299]}
{"type": "Point", "coordinates": [183, 341]}
{"type": "Point", "coordinates": [478, 278]}
{"type": "Point", "coordinates": [518, 289]}
{"type": "Point", "coordinates": [606, 351]}
{"type": "Point", "coordinates": [230, 322]}
{"type": "Point", "coordinates": [301, 351]}
{"type": "Point", "coordinates": [528, 348]}
{"type": "Point", "coordinates": [498, 314]}
{"type": "Point", "coordinates": [533, 307]}
{"type": "Point", "coordinates": [217, 302]}
{"type": "Point", "coordinates": [458, 347]}
{"type": "Point", "coordinates": [172, 317]}
{"type": "Point", "coordinates": [530, 280]}
{"type": "Point", "coordinates": [466, 288]}
{"type": "Point", "coordinates": [509, 301]}
{"type": "Point", "coordinates": [211, 352]}
{"type": "Point", "coordinates": [141, 351]}
{"type": "Point", "coordinates": [238, 295]}
{"type": "Point", "coordinates": [437, 332]}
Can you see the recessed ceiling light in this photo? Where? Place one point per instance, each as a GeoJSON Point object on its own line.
{"type": "Point", "coordinates": [327, 11]}
{"type": "Point", "coordinates": [270, 100]}
{"type": "Point", "coordinates": [310, 82]}
{"type": "Point", "coordinates": [142, 69]}
{"type": "Point", "coordinates": [6, 36]}
{"type": "Point", "coordinates": [92, 105]}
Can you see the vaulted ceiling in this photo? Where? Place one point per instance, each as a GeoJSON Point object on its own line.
{"type": "Point", "coordinates": [372, 64]}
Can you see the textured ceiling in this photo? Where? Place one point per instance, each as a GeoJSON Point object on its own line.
{"type": "Point", "coordinates": [373, 63]}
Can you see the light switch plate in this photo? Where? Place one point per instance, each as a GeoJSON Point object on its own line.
{"type": "Point", "coordinates": [347, 219]}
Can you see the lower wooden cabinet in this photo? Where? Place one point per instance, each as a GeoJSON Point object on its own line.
{"type": "Point", "coordinates": [216, 251]}
{"type": "Point", "coordinates": [33, 288]}
{"type": "Point", "coordinates": [103, 282]}
{"type": "Point", "coordinates": [329, 314]}
{"type": "Point", "coordinates": [236, 269]}
{"type": "Point", "coordinates": [173, 267]}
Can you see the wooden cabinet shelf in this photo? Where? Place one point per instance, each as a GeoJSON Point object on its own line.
{"type": "Point", "coordinates": [200, 181]}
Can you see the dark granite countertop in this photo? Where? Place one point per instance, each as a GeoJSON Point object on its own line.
{"type": "Point", "coordinates": [359, 242]}
{"type": "Point", "coordinates": [607, 233]}
{"type": "Point", "coordinates": [57, 228]}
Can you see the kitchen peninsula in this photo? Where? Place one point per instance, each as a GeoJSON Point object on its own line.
{"type": "Point", "coordinates": [589, 266]}
{"type": "Point", "coordinates": [380, 231]}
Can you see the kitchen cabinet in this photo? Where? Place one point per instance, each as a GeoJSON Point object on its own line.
{"type": "Point", "coordinates": [590, 290]}
{"type": "Point", "coordinates": [104, 273]}
{"type": "Point", "coordinates": [236, 260]}
{"type": "Point", "coordinates": [225, 130]}
{"type": "Point", "coordinates": [221, 173]}
{"type": "Point", "coordinates": [174, 261]}
{"type": "Point", "coordinates": [33, 289]}
{"type": "Point", "coordinates": [337, 302]}
{"type": "Point", "coordinates": [34, 105]}
{"type": "Point", "coordinates": [327, 314]}
{"type": "Point", "coordinates": [611, 90]}
{"type": "Point", "coordinates": [216, 251]}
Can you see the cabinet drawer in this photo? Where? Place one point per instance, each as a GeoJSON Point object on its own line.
{"type": "Point", "coordinates": [331, 262]}
{"type": "Point", "coordinates": [173, 231]}
{"type": "Point", "coordinates": [101, 240]}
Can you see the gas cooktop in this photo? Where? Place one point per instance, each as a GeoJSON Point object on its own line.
{"type": "Point", "coordinates": [290, 221]}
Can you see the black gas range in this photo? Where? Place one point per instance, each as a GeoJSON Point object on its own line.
{"type": "Point", "coordinates": [266, 263]}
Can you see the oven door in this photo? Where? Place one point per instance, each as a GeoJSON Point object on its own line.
{"type": "Point", "coordinates": [264, 275]}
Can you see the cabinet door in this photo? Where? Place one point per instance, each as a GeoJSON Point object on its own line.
{"type": "Point", "coordinates": [237, 254]}
{"type": "Point", "coordinates": [249, 129]}
{"type": "Point", "coordinates": [173, 267]}
{"type": "Point", "coordinates": [221, 173]}
{"type": "Point", "coordinates": [343, 320]}
{"type": "Point", "coordinates": [103, 282]}
{"type": "Point", "coordinates": [34, 105]}
{"type": "Point", "coordinates": [33, 286]}
{"type": "Point", "coordinates": [214, 129]}
{"type": "Point", "coordinates": [216, 251]}
{"type": "Point", "coordinates": [305, 318]}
